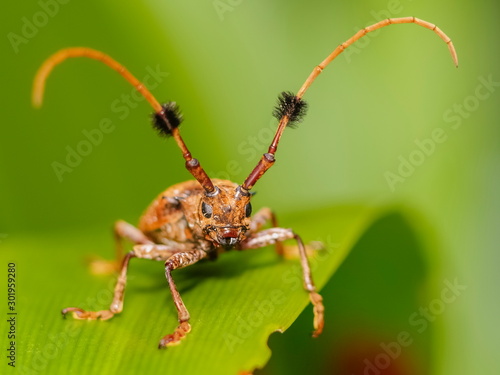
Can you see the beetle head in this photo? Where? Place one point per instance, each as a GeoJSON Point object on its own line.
{"type": "Point", "coordinates": [225, 215]}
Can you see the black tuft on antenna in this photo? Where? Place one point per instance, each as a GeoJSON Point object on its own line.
{"type": "Point", "coordinates": [291, 106]}
{"type": "Point", "coordinates": [168, 119]}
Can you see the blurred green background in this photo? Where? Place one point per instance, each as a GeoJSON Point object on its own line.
{"type": "Point", "coordinates": [224, 62]}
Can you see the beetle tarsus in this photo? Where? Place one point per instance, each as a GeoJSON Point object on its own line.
{"type": "Point", "coordinates": [81, 314]}
{"type": "Point", "coordinates": [319, 313]}
{"type": "Point", "coordinates": [175, 338]}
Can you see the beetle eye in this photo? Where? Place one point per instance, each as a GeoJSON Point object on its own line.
{"type": "Point", "coordinates": [248, 210]}
{"type": "Point", "coordinates": [206, 210]}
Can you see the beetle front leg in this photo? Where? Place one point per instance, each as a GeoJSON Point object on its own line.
{"type": "Point", "coordinates": [274, 235]}
{"type": "Point", "coordinates": [117, 304]}
{"type": "Point", "coordinates": [145, 251]}
{"type": "Point", "coordinates": [261, 218]}
{"type": "Point", "coordinates": [177, 261]}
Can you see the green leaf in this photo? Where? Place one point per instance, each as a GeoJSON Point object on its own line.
{"type": "Point", "coordinates": [380, 316]}
{"type": "Point", "coordinates": [236, 303]}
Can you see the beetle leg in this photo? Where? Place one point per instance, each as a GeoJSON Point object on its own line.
{"type": "Point", "coordinates": [122, 230]}
{"type": "Point", "coordinates": [177, 261]}
{"type": "Point", "coordinates": [117, 304]}
{"type": "Point", "coordinates": [273, 235]}
{"type": "Point", "coordinates": [261, 218]}
{"type": "Point", "coordinates": [293, 251]}
{"type": "Point", "coordinates": [163, 251]}
{"type": "Point", "coordinates": [145, 251]}
{"type": "Point", "coordinates": [265, 215]}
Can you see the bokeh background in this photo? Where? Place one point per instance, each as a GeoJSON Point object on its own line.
{"type": "Point", "coordinates": [224, 62]}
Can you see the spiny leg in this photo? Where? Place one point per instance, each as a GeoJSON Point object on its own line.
{"type": "Point", "coordinates": [316, 299]}
{"type": "Point", "coordinates": [261, 218]}
{"type": "Point", "coordinates": [122, 230]}
{"type": "Point", "coordinates": [293, 251]}
{"type": "Point", "coordinates": [177, 261]}
{"type": "Point", "coordinates": [271, 236]}
{"type": "Point", "coordinates": [265, 215]}
{"type": "Point", "coordinates": [145, 251]}
{"type": "Point", "coordinates": [117, 304]}
{"type": "Point", "coordinates": [163, 251]}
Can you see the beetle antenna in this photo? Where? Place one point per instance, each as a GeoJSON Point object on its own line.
{"type": "Point", "coordinates": [166, 117]}
{"type": "Point", "coordinates": [291, 107]}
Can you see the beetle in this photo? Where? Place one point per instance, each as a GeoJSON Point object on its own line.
{"type": "Point", "coordinates": [202, 218]}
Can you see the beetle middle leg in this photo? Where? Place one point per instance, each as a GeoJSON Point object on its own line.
{"type": "Point", "coordinates": [274, 235]}
{"type": "Point", "coordinates": [122, 230]}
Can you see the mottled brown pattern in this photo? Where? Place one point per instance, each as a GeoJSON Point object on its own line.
{"type": "Point", "coordinates": [176, 215]}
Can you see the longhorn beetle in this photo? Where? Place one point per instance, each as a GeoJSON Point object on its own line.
{"type": "Point", "coordinates": [204, 217]}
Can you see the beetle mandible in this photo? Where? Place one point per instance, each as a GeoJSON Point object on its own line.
{"type": "Point", "coordinates": [202, 218]}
